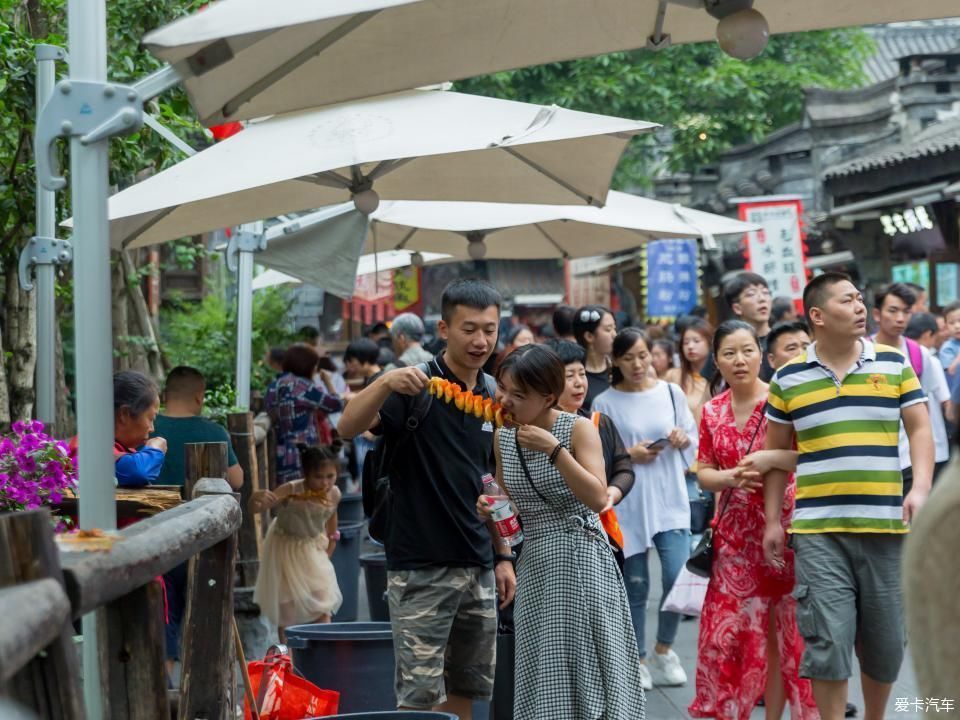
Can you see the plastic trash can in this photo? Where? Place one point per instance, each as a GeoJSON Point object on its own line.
{"type": "Point", "coordinates": [375, 575]}
{"type": "Point", "coordinates": [395, 715]}
{"type": "Point", "coordinates": [346, 563]}
{"type": "Point", "coordinates": [350, 509]}
{"type": "Point", "coordinates": [355, 659]}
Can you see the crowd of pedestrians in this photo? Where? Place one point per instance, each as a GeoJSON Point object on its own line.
{"type": "Point", "coordinates": [809, 423]}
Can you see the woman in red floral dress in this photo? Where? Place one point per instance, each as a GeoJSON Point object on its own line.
{"type": "Point", "coordinates": [749, 645]}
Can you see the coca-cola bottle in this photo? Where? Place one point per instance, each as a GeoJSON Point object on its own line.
{"type": "Point", "coordinates": [502, 512]}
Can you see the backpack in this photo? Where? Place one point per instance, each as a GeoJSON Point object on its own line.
{"type": "Point", "coordinates": [375, 474]}
{"type": "Point", "coordinates": [915, 355]}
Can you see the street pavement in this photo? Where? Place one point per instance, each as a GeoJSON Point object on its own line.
{"type": "Point", "coordinates": [671, 703]}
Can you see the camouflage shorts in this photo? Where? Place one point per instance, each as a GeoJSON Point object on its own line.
{"type": "Point", "coordinates": [444, 633]}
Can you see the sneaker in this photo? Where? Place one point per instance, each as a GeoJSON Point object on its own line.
{"type": "Point", "coordinates": [646, 682]}
{"type": "Point", "coordinates": [666, 669]}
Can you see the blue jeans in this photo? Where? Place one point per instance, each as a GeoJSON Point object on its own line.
{"type": "Point", "coordinates": [673, 548]}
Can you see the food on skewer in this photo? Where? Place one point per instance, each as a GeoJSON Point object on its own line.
{"type": "Point", "coordinates": [483, 409]}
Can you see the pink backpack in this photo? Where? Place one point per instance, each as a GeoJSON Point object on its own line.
{"type": "Point", "coordinates": [914, 354]}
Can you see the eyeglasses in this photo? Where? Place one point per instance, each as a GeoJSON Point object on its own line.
{"type": "Point", "coordinates": [589, 316]}
{"type": "Point", "coordinates": [755, 293]}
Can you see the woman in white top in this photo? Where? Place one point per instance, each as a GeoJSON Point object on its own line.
{"type": "Point", "coordinates": [660, 434]}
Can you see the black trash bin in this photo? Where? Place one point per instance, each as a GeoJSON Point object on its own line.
{"type": "Point", "coordinates": [350, 509]}
{"type": "Point", "coordinates": [395, 715]}
{"type": "Point", "coordinates": [346, 563]}
{"type": "Point", "coordinates": [355, 659]}
{"type": "Point", "coordinates": [375, 575]}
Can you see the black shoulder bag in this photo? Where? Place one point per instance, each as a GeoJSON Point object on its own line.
{"type": "Point", "coordinates": [375, 474]}
{"type": "Point", "coordinates": [701, 559]}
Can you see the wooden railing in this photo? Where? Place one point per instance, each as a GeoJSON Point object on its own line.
{"type": "Point", "coordinates": [42, 591]}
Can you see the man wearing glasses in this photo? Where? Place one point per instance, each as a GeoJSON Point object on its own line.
{"type": "Point", "coordinates": [748, 295]}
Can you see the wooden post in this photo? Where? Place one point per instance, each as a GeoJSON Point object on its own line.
{"type": "Point", "coordinates": [132, 639]}
{"type": "Point", "coordinates": [47, 684]}
{"type": "Point", "coordinates": [203, 460]}
{"type": "Point", "coordinates": [241, 430]}
{"type": "Point", "coordinates": [264, 462]}
{"type": "Point", "coordinates": [272, 451]}
{"type": "Point", "coordinates": [208, 654]}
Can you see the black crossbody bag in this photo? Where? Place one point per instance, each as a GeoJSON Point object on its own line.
{"type": "Point", "coordinates": [701, 559]}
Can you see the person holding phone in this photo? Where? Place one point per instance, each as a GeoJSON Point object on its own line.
{"type": "Point", "coordinates": [660, 434]}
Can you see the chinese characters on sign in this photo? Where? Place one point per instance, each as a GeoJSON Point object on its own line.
{"type": "Point", "coordinates": [909, 221]}
{"type": "Point", "coordinates": [777, 251]}
{"type": "Point", "coordinates": [406, 288]}
{"type": "Point", "coordinates": [924, 705]}
{"type": "Point", "coordinates": [670, 278]}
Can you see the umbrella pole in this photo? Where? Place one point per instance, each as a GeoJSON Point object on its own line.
{"type": "Point", "coordinates": [249, 239]}
{"type": "Point", "coordinates": [46, 216]}
{"type": "Point", "coordinates": [87, 33]}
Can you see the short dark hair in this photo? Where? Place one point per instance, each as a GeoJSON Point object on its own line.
{"type": "Point", "coordinates": [314, 458]}
{"type": "Point", "coordinates": [535, 368]}
{"type": "Point", "coordinates": [568, 352]}
{"type": "Point", "coordinates": [735, 286]}
{"type": "Point", "coordinates": [301, 360]}
{"type": "Point", "coordinates": [781, 306]}
{"type": "Point", "coordinates": [563, 320]}
{"type": "Point", "coordinates": [622, 344]}
{"type": "Point", "coordinates": [917, 288]}
{"type": "Point", "coordinates": [134, 391]}
{"type": "Point", "coordinates": [816, 291]}
{"type": "Point", "coordinates": [587, 319]}
{"type": "Point", "coordinates": [785, 328]}
{"type": "Point", "coordinates": [308, 333]}
{"type": "Point", "coordinates": [476, 294]}
{"type": "Point", "coordinates": [920, 323]}
{"type": "Point", "coordinates": [277, 354]}
{"type": "Point", "coordinates": [378, 329]}
{"type": "Point", "coordinates": [365, 351]}
{"type": "Point", "coordinates": [952, 307]}
{"type": "Point", "coordinates": [899, 290]}
{"type": "Point", "coordinates": [184, 381]}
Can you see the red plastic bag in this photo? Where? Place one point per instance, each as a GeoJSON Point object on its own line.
{"type": "Point", "coordinates": [287, 696]}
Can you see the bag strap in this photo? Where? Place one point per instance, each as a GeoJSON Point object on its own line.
{"type": "Point", "coordinates": [595, 418]}
{"type": "Point", "coordinates": [729, 491]}
{"type": "Point", "coordinates": [526, 470]}
{"type": "Point", "coordinates": [916, 356]}
{"type": "Point", "coordinates": [421, 406]}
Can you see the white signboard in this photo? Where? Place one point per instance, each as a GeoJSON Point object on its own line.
{"type": "Point", "coordinates": [776, 251]}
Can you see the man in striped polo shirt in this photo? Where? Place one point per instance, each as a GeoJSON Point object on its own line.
{"type": "Point", "coordinates": [843, 400]}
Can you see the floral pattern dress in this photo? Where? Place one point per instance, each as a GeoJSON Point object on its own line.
{"type": "Point", "coordinates": [743, 589]}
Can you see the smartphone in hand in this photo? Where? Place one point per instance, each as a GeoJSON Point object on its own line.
{"type": "Point", "coordinates": [658, 444]}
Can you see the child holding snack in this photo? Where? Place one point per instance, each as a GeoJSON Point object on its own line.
{"type": "Point", "coordinates": [297, 583]}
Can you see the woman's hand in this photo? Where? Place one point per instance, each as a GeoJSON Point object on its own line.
{"type": "Point", "coordinates": [760, 462]}
{"type": "Point", "coordinates": [158, 443]}
{"type": "Point", "coordinates": [643, 454]}
{"type": "Point", "coordinates": [536, 438]}
{"type": "Point", "coordinates": [678, 439]}
{"type": "Point", "coordinates": [614, 496]}
{"type": "Point", "coordinates": [749, 480]}
{"type": "Point", "coordinates": [263, 500]}
{"type": "Point", "coordinates": [485, 505]}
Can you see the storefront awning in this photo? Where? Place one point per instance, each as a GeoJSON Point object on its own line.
{"type": "Point", "coordinates": [917, 196]}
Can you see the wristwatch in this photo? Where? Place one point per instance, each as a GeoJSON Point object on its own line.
{"type": "Point", "coordinates": [503, 557]}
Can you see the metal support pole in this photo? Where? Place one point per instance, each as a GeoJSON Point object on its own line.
{"type": "Point", "coordinates": [87, 34]}
{"type": "Point", "coordinates": [46, 378]}
{"type": "Point", "coordinates": [249, 239]}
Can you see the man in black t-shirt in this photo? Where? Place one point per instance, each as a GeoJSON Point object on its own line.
{"type": "Point", "coordinates": [445, 566]}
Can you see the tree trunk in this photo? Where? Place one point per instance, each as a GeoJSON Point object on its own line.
{"type": "Point", "coordinates": [140, 311]}
{"type": "Point", "coordinates": [118, 302]}
{"type": "Point", "coordinates": [4, 392]}
{"type": "Point", "coordinates": [21, 310]}
{"type": "Point", "coordinates": [65, 422]}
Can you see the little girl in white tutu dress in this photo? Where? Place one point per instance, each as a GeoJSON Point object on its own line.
{"type": "Point", "coordinates": [296, 583]}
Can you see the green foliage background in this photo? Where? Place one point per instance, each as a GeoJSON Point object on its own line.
{"type": "Point", "coordinates": [693, 90]}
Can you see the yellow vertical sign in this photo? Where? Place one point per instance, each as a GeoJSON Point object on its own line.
{"type": "Point", "coordinates": [406, 287]}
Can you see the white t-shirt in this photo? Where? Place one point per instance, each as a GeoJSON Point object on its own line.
{"type": "Point", "coordinates": [658, 501]}
{"type": "Point", "coordinates": [934, 383]}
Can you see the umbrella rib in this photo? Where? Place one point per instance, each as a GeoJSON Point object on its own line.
{"type": "Point", "coordinates": [338, 33]}
{"type": "Point", "coordinates": [328, 179]}
{"type": "Point", "coordinates": [147, 225]}
{"type": "Point", "coordinates": [386, 166]}
{"type": "Point", "coordinates": [551, 240]}
{"type": "Point", "coordinates": [406, 238]}
{"type": "Point", "coordinates": [589, 199]}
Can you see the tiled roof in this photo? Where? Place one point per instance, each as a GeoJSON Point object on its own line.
{"type": "Point", "coordinates": [937, 139]}
{"type": "Point", "coordinates": [896, 41]}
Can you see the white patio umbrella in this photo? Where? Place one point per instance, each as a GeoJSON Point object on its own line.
{"type": "Point", "coordinates": [422, 144]}
{"type": "Point", "coordinates": [238, 60]}
{"type": "Point", "coordinates": [514, 231]}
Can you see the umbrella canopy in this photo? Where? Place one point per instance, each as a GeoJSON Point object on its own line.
{"type": "Point", "coordinates": [513, 231]}
{"type": "Point", "coordinates": [379, 262]}
{"type": "Point", "coordinates": [422, 144]}
{"type": "Point", "coordinates": [239, 61]}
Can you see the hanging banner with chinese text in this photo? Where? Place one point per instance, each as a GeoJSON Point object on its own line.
{"type": "Point", "coordinates": [670, 273]}
{"type": "Point", "coordinates": [406, 287]}
{"type": "Point", "coordinates": [777, 251]}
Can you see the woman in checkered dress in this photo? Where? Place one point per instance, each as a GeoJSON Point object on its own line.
{"type": "Point", "coordinates": [576, 652]}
